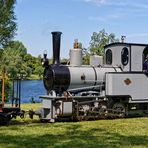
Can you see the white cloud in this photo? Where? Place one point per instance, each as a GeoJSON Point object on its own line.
{"type": "Point", "coordinates": [119, 9]}
{"type": "Point", "coordinates": [107, 17]}
{"type": "Point", "coordinates": [140, 5]}
{"type": "Point", "coordinates": [120, 3]}
{"type": "Point", "coordinates": [97, 2]}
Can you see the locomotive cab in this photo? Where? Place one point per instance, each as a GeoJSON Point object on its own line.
{"type": "Point", "coordinates": [130, 84]}
{"type": "Point", "coordinates": [129, 56]}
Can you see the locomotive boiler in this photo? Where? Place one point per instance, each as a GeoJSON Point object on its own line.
{"type": "Point", "coordinates": [116, 88]}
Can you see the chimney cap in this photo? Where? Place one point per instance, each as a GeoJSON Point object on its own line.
{"type": "Point", "coordinates": [56, 32]}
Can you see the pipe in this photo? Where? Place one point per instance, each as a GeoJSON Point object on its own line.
{"type": "Point", "coordinates": [56, 38]}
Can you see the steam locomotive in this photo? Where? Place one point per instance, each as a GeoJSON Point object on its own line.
{"type": "Point", "coordinates": [117, 88]}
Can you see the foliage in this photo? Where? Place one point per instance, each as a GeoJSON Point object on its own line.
{"type": "Point", "coordinates": [39, 71]}
{"type": "Point", "coordinates": [12, 60]}
{"type": "Point", "coordinates": [10, 65]}
{"type": "Point", "coordinates": [87, 134]}
{"type": "Point", "coordinates": [64, 61]}
{"type": "Point", "coordinates": [17, 45]}
{"type": "Point", "coordinates": [97, 43]}
{"type": "Point", "coordinates": [16, 61]}
{"type": "Point", "coordinates": [86, 59]}
{"type": "Point", "coordinates": [7, 21]}
{"type": "Point", "coordinates": [34, 64]}
{"type": "Point", "coordinates": [99, 40]}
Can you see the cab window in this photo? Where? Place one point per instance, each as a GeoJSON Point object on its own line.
{"type": "Point", "coordinates": [124, 56]}
{"type": "Point", "coordinates": [109, 57]}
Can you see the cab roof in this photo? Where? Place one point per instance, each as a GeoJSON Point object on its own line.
{"type": "Point", "coordinates": [124, 44]}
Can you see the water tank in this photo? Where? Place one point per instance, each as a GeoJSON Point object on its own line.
{"type": "Point", "coordinates": [75, 57]}
{"type": "Point", "coordinates": [96, 60]}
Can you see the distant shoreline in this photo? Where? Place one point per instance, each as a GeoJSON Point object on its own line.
{"type": "Point", "coordinates": [34, 77]}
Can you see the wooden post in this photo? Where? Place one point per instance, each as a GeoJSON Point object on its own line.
{"type": "Point", "coordinates": [3, 91]}
{"type": "Point", "coordinates": [3, 86]}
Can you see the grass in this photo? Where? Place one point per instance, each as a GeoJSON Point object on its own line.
{"type": "Point", "coordinates": [128, 133]}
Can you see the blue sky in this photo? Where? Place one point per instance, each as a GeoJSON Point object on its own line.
{"type": "Point", "coordinates": [78, 19]}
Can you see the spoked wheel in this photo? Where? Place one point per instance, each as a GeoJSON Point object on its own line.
{"type": "Point", "coordinates": [119, 108]}
{"type": "Point", "coordinates": [103, 111]}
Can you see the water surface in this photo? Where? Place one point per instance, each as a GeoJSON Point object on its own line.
{"type": "Point", "coordinates": [31, 89]}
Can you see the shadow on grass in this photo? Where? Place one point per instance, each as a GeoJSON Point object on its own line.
{"type": "Point", "coordinates": [73, 136]}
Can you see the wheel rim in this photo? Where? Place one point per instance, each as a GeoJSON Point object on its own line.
{"type": "Point", "coordinates": [119, 108]}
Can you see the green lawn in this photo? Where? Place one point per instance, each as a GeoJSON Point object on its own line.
{"type": "Point", "coordinates": [117, 133]}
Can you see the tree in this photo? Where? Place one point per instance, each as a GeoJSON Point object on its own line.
{"type": "Point", "coordinates": [7, 21]}
{"type": "Point", "coordinates": [97, 43]}
{"type": "Point", "coordinates": [39, 71]}
{"type": "Point", "coordinates": [12, 59]}
{"type": "Point", "coordinates": [7, 30]}
{"type": "Point", "coordinates": [17, 45]}
{"type": "Point", "coordinates": [30, 61]}
{"type": "Point", "coordinates": [99, 40]}
{"type": "Point", "coordinates": [39, 67]}
{"type": "Point", "coordinates": [6, 62]}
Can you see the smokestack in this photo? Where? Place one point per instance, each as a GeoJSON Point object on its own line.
{"type": "Point", "coordinates": [56, 39]}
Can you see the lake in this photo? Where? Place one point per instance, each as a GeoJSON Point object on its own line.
{"type": "Point", "coordinates": [31, 89]}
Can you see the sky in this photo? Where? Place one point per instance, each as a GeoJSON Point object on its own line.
{"type": "Point", "coordinates": [78, 19]}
